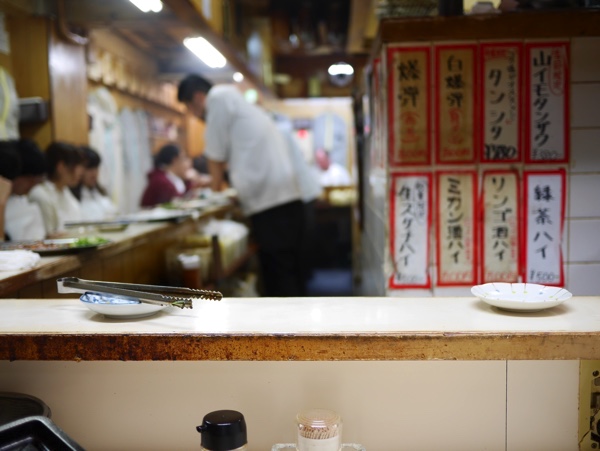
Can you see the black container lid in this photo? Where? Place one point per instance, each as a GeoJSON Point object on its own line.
{"type": "Point", "coordinates": [223, 430]}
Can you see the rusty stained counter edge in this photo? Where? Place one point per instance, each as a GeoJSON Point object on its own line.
{"type": "Point", "coordinates": [303, 347]}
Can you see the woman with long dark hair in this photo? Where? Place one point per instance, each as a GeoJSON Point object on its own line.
{"type": "Point", "coordinates": [58, 205]}
{"type": "Point", "coordinates": [95, 203]}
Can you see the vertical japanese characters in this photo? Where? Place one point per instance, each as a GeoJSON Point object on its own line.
{"type": "Point", "coordinates": [456, 232]}
{"type": "Point", "coordinates": [409, 115]}
{"type": "Point", "coordinates": [500, 102]}
{"type": "Point", "coordinates": [547, 102]}
{"type": "Point", "coordinates": [500, 227]}
{"type": "Point", "coordinates": [455, 103]}
{"type": "Point", "coordinates": [469, 114]}
{"type": "Point", "coordinates": [544, 216]}
{"type": "Point", "coordinates": [410, 222]}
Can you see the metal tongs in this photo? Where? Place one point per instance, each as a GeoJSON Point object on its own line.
{"type": "Point", "coordinates": [149, 294]}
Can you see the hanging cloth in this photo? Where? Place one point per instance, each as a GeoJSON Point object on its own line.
{"type": "Point", "coordinates": [9, 107]}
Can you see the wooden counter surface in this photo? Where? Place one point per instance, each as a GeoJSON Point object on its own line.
{"type": "Point", "coordinates": [134, 255]}
{"type": "Point", "coordinates": [288, 329]}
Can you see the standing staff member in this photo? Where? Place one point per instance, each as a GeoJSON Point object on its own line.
{"type": "Point", "coordinates": [246, 139]}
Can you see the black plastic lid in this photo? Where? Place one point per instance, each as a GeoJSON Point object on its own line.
{"type": "Point", "coordinates": [223, 430]}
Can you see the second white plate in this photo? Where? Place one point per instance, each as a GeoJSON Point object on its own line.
{"type": "Point", "coordinates": [521, 297]}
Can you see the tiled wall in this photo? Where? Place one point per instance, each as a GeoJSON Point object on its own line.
{"type": "Point", "coordinates": [581, 238]}
{"type": "Point", "coordinates": [583, 207]}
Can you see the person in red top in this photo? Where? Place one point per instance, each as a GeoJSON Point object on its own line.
{"type": "Point", "coordinates": [168, 178]}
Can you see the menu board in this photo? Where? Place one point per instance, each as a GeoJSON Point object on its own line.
{"type": "Point", "coordinates": [500, 226]}
{"type": "Point", "coordinates": [500, 82]}
{"type": "Point", "coordinates": [544, 217]}
{"type": "Point", "coordinates": [547, 102]}
{"type": "Point", "coordinates": [455, 103]}
{"type": "Point", "coordinates": [410, 224]}
{"type": "Point", "coordinates": [409, 112]}
{"type": "Point", "coordinates": [456, 212]}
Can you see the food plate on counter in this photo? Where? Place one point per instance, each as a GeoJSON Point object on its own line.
{"type": "Point", "coordinates": [158, 215]}
{"type": "Point", "coordinates": [120, 307]}
{"type": "Point", "coordinates": [57, 246]}
{"type": "Point", "coordinates": [521, 297]}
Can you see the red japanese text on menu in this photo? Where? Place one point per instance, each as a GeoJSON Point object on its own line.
{"type": "Point", "coordinates": [410, 223]}
{"type": "Point", "coordinates": [500, 227]}
{"type": "Point", "coordinates": [455, 102]}
{"type": "Point", "coordinates": [547, 102]}
{"type": "Point", "coordinates": [544, 217]}
{"type": "Point", "coordinates": [500, 75]}
{"type": "Point", "coordinates": [456, 211]}
{"type": "Point", "coordinates": [409, 115]}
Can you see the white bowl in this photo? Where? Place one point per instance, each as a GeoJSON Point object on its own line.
{"type": "Point", "coordinates": [120, 307]}
{"type": "Point", "coordinates": [521, 297]}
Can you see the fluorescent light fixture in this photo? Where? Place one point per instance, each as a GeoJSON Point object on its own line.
{"type": "Point", "coordinates": [206, 52]}
{"type": "Point", "coordinates": [340, 69]}
{"type": "Point", "coordinates": [238, 77]}
{"type": "Point", "coordinates": [148, 5]}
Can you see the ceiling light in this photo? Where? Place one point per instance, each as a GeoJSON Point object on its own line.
{"type": "Point", "coordinates": [340, 69]}
{"type": "Point", "coordinates": [238, 77]}
{"type": "Point", "coordinates": [206, 52]}
{"type": "Point", "coordinates": [148, 5]}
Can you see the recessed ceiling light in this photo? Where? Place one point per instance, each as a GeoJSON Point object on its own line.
{"type": "Point", "coordinates": [238, 77]}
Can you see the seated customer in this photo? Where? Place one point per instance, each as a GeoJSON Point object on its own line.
{"type": "Point", "coordinates": [167, 180]}
{"type": "Point", "coordinates": [95, 203]}
{"type": "Point", "coordinates": [58, 205]}
{"type": "Point", "coordinates": [24, 218]}
{"type": "Point", "coordinates": [10, 167]}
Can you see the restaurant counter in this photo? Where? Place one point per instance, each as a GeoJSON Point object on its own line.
{"type": "Point", "coordinates": [404, 373]}
{"type": "Point", "coordinates": [134, 255]}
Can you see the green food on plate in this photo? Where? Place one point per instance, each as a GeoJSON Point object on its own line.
{"type": "Point", "coordinates": [89, 241]}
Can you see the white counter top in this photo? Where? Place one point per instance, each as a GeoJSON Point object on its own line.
{"type": "Point", "coordinates": [303, 316]}
{"type": "Point", "coordinates": [302, 329]}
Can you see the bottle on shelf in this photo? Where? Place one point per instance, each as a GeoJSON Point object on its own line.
{"type": "Point", "coordinates": [223, 430]}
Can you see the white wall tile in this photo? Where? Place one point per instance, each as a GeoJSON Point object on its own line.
{"type": "Point", "coordinates": [585, 149]}
{"type": "Point", "coordinates": [583, 279]}
{"type": "Point", "coordinates": [585, 105]}
{"type": "Point", "coordinates": [539, 395]}
{"type": "Point", "coordinates": [585, 59]}
{"type": "Point", "coordinates": [584, 244]}
{"type": "Point", "coordinates": [584, 195]}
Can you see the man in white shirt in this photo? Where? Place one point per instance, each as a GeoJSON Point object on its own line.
{"type": "Point", "coordinates": [244, 137]}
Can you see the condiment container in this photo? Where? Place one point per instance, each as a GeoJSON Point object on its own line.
{"type": "Point", "coordinates": [190, 264]}
{"type": "Point", "coordinates": [223, 430]}
{"type": "Point", "coordinates": [319, 430]}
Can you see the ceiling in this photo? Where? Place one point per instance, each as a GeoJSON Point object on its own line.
{"type": "Point", "coordinates": [299, 38]}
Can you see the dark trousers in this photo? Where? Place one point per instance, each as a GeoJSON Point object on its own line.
{"type": "Point", "coordinates": [279, 233]}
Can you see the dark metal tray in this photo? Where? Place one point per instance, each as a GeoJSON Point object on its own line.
{"type": "Point", "coordinates": [35, 433]}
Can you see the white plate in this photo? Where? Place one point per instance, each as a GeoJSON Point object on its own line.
{"type": "Point", "coordinates": [521, 297]}
{"type": "Point", "coordinates": [120, 307]}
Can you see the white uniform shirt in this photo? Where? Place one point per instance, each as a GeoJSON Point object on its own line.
{"type": "Point", "coordinates": [23, 219]}
{"type": "Point", "coordinates": [95, 206]}
{"type": "Point", "coordinates": [57, 206]}
{"type": "Point", "coordinates": [244, 136]}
